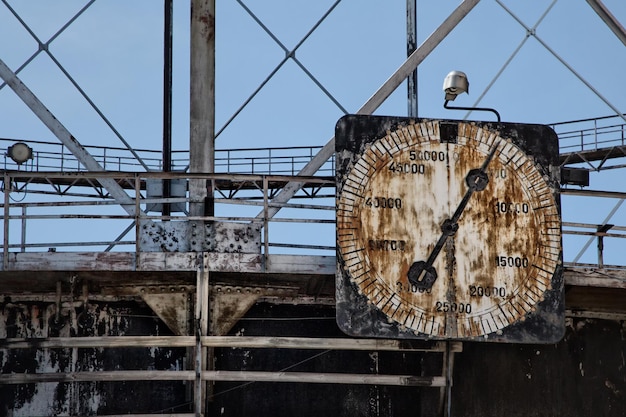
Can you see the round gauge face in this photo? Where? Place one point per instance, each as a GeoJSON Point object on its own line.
{"type": "Point", "coordinates": [448, 238]}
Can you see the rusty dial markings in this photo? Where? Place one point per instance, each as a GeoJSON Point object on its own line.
{"type": "Point", "coordinates": [495, 268]}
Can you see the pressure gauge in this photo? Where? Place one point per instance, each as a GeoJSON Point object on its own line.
{"type": "Point", "coordinates": [448, 230]}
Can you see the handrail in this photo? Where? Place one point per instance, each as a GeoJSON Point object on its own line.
{"type": "Point", "coordinates": [309, 227]}
{"type": "Point", "coordinates": [252, 342]}
{"type": "Point", "coordinates": [307, 343]}
{"type": "Point", "coordinates": [26, 206]}
{"type": "Point", "coordinates": [574, 136]}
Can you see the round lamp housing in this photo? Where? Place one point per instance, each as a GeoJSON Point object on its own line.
{"type": "Point", "coordinates": [20, 152]}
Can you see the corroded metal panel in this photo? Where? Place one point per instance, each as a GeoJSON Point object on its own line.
{"type": "Point", "coordinates": [448, 229]}
{"type": "Point", "coordinates": [237, 237]}
{"type": "Point", "coordinates": [35, 321]}
{"type": "Point", "coordinates": [199, 236]}
{"type": "Point", "coordinates": [174, 236]}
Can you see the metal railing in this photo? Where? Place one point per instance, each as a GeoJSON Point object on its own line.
{"type": "Point", "coordinates": [574, 136]}
{"type": "Point", "coordinates": [591, 134]}
{"type": "Point", "coordinates": [54, 156]}
{"type": "Point", "coordinates": [35, 221]}
{"type": "Point", "coordinates": [201, 373]}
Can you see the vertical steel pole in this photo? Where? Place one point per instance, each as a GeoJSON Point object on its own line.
{"type": "Point", "coordinates": [411, 46]}
{"type": "Point", "coordinates": [266, 224]}
{"type": "Point", "coordinates": [167, 100]}
{"type": "Point", "coordinates": [202, 329]}
{"type": "Point", "coordinates": [202, 144]}
{"type": "Point", "coordinates": [202, 104]}
{"type": "Point", "coordinates": [23, 240]}
{"type": "Point", "coordinates": [5, 227]}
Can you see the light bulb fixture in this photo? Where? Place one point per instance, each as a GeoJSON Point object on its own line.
{"type": "Point", "coordinates": [456, 83]}
{"type": "Point", "coordinates": [20, 152]}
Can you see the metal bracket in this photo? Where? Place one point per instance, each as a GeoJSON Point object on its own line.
{"type": "Point", "coordinates": [228, 304]}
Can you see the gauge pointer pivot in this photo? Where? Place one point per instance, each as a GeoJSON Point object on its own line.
{"type": "Point", "coordinates": [422, 274]}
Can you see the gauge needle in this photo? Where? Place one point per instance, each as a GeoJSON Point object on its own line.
{"type": "Point", "coordinates": [422, 273]}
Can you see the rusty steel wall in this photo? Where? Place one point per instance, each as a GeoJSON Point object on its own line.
{"type": "Point", "coordinates": [39, 320]}
{"type": "Point", "coordinates": [582, 375]}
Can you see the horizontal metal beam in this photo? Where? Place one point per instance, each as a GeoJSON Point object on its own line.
{"type": "Point", "coordinates": [252, 342]}
{"type": "Point", "coordinates": [160, 262]}
{"type": "Point", "coordinates": [593, 193]}
{"type": "Point", "coordinates": [604, 278]}
{"type": "Point", "coordinates": [292, 265]}
{"type": "Point", "coordinates": [243, 376]}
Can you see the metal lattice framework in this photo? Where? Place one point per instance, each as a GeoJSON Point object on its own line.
{"type": "Point", "coordinates": [128, 205]}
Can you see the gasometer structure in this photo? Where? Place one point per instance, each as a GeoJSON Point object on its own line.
{"type": "Point", "coordinates": [260, 260]}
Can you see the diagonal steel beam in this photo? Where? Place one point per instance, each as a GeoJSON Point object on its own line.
{"type": "Point", "coordinates": [562, 61]}
{"type": "Point", "coordinates": [513, 55]}
{"type": "Point", "coordinates": [377, 99]}
{"type": "Point", "coordinates": [65, 137]}
{"type": "Point", "coordinates": [609, 19]}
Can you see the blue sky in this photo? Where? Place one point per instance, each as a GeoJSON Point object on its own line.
{"type": "Point", "coordinates": [114, 52]}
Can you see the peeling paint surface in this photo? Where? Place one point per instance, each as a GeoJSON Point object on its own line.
{"type": "Point", "coordinates": [40, 320]}
{"type": "Point", "coordinates": [489, 379]}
